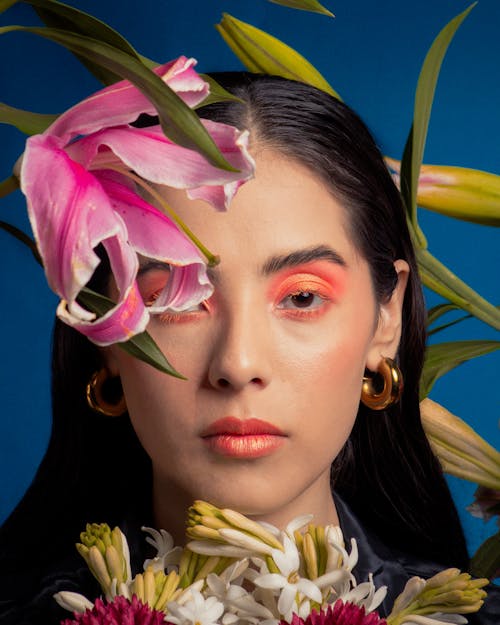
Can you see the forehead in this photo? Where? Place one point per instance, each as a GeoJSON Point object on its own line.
{"type": "Point", "coordinates": [284, 208]}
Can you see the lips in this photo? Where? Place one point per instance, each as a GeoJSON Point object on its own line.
{"type": "Point", "coordinates": [243, 438]}
{"type": "Point", "coordinates": [240, 427]}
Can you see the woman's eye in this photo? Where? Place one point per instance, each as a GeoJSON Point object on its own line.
{"type": "Point", "coordinates": [302, 299]}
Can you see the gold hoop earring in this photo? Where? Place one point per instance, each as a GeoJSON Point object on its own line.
{"type": "Point", "coordinates": [95, 397]}
{"type": "Point", "coordinates": [392, 386]}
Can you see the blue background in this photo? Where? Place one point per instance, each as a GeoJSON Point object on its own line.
{"type": "Point", "coordinates": [371, 53]}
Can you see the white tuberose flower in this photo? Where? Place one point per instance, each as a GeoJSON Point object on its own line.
{"type": "Point", "coordinates": [288, 580]}
{"type": "Point", "coordinates": [196, 611]}
{"type": "Point", "coordinates": [167, 555]}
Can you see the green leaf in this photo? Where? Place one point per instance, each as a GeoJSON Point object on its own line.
{"type": "Point", "coordinates": [444, 282]}
{"type": "Point", "coordinates": [305, 5]}
{"type": "Point", "coordinates": [143, 347]}
{"type": "Point", "coordinates": [8, 185]}
{"type": "Point", "coordinates": [6, 4]}
{"type": "Point", "coordinates": [25, 121]}
{"type": "Point", "coordinates": [444, 326]}
{"type": "Point", "coordinates": [23, 237]}
{"type": "Point", "coordinates": [178, 121]}
{"type": "Point", "coordinates": [217, 93]}
{"type": "Point", "coordinates": [261, 52]}
{"type": "Point", "coordinates": [486, 560]}
{"type": "Point", "coordinates": [443, 357]}
{"type": "Point", "coordinates": [434, 313]}
{"type": "Point", "coordinates": [140, 346]}
{"type": "Point", "coordinates": [64, 17]}
{"type": "Point", "coordinates": [426, 86]}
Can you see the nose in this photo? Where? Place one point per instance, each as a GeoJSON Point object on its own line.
{"type": "Point", "coordinates": [241, 355]}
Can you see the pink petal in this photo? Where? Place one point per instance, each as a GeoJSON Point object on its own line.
{"type": "Point", "coordinates": [122, 102]}
{"type": "Point", "coordinates": [184, 80]}
{"type": "Point", "coordinates": [153, 235]}
{"type": "Point", "coordinates": [129, 317]}
{"type": "Point", "coordinates": [157, 159]}
{"type": "Point", "coordinates": [69, 212]}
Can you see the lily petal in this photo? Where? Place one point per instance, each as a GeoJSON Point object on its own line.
{"type": "Point", "coordinates": [122, 103]}
{"type": "Point", "coordinates": [154, 235]}
{"type": "Point", "coordinates": [69, 212]}
{"type": "Point", "coordinates": [157, 159]}
{"type": "Point", "coordinates": [127, 318]}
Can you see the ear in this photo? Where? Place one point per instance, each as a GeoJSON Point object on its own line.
{"type": "Point", "coordinates": [385, 341]}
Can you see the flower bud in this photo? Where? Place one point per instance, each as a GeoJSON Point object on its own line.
{"type": "Point", "coordinates": [468, 194]}
{"type": "Point", "coordinates": [460, 449]}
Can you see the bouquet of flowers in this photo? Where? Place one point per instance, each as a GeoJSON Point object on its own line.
{"type": "Point", "coordinates": [236, 571]}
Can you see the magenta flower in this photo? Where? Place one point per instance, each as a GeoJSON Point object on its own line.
{"type": "Point", "coordinates": [339, 614]}
{"type": "Point", "coordinates": [120, 611]}
{"type": "Point", "coordinates": [81, 179]}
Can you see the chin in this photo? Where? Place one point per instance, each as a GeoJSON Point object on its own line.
{"type": "Point", "coordinates": [248, 499]}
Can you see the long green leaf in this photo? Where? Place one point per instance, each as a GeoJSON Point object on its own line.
{"type": "Point", "coordinates": [25, 121]}
{"type": "Point", "coordinates": [443, 357]}
{"type": "Point", "coordinates": [217, 93]}
{"type": "Point", "coordinates": [178, 121]}
{"type": "Point", "coordinates": [445, 326]}
{"type": "Point", "coordinates": [261, 52]}
{"type": "Point", "coordinates": [8, 185]}
{"type": "Point", "coordinates": [443, 281]}
{"type": "Point", "coordinates": [64, 17]}
{"type": "Point", "coordinates": [140, 346]}
{"type": "Point", "coordinates": [305, 5]}
{"type": "Point", "coordinates": [426, 86]}
{"type": "Point", "coordinates": [486, 560]}
{"type": "Point", "coordinates": [6, 4]}
{"type": "Point", "coordinates": [435, 312]}
{"type": "Point", "coordinates": [23, 237]}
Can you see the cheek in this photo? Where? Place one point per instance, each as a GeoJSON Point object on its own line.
{"type": "Point", "coordinates": [330, 389]}
{"type": "Point", "coordinates": [159, 406]}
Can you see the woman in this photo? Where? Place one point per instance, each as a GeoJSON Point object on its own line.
{"type": "Point", "coordinates": [317, 287]}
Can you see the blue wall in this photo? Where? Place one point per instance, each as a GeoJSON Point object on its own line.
{"type": "Point", "coordinates": [371, 53]}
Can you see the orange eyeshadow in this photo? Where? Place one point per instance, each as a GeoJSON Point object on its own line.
{"type": "Point", "coordinates": [321, 277]}
{"type": "Point", "coordinates": [151, 284]}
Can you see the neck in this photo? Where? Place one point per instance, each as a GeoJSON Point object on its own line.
{"type": "Point", "coordinates": [170, 505]}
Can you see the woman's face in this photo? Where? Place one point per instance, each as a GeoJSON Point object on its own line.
{"type": "Point", "coordinates": [274, 359]}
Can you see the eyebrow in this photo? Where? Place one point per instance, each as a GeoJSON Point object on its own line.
{"type": "Point", "coordinates": [272, 265]}
{"type": "Point", "coordinates": [300, 257]}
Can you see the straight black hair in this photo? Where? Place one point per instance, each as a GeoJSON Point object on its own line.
{"type": "Point", "coordinates": [95, 469]}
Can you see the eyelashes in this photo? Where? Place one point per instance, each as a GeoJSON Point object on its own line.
{"type": "Point", "coordinates": [303, 298]}
{"type": "Point", "coordinates": [152, 280]}
{"type": "Point", "coordinates": [300, 296]}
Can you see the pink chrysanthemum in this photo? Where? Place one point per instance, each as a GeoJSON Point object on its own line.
{"type": "Point", "coordinates": [339, 614]}
{"type": "Point", "coordinates": [120, 611]}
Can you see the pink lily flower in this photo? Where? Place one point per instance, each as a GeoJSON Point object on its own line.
{"type": "Point", "coordinates": [78, 178]}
